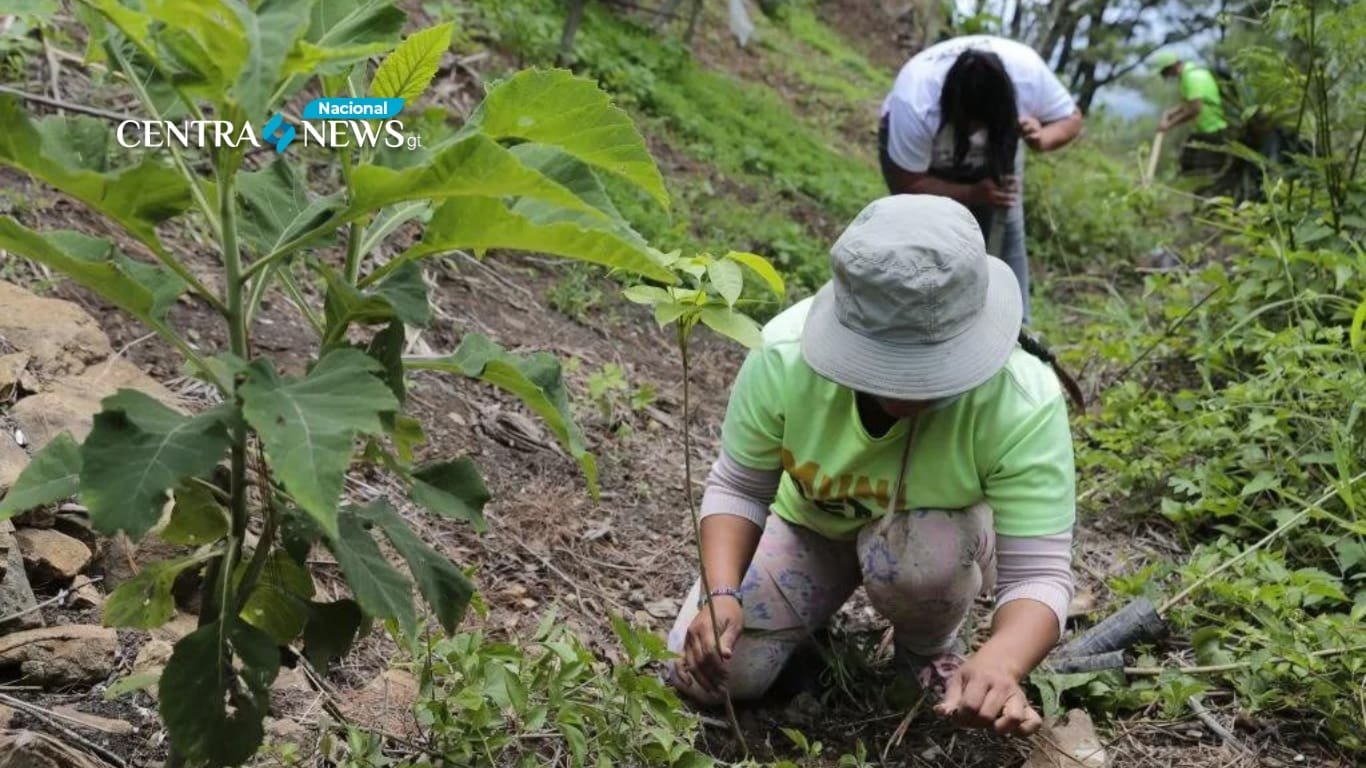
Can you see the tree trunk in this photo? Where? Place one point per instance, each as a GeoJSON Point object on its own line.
{"type": "Point", "coordinates": [1017, 20]}
{"type": "Point", "coordinates": [692, 22]}
{"type": "Point", "coordinates": [571, 29]}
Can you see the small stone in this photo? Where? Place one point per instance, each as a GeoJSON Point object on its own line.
{"type": "Point", "coordinates": [151, 660]}
{"type": "Point", "coordinates": [932, 754]}
{"type": "Point", "coordinates": [516, 590]}
{"type": "Point", "coordinates": [59, 336]}
{"type": "Point", "coordinates": [70, 404]}
{"type": "Point", "coordinates": [12, 367]}
{"type": "Point", "coordinates": [6, 716]}
{"type": "Point", "coordinates": [1083, 602]}
{"type": "Point", "coordinates": [1195, 733]}
{"type": "Point", "coordinates": [60, 656]}
{"type": "Point", "coordinates": [95, 722]}
{"type": "Point", "coordinates": [386, 702]}
{"type": "Point", "coordinates": [284, 729]}
{"type": "Point", "coordinates": [13, 459]}
{"type": "Point", "coordinates": [528, 604]}
{"type": "Point", "coordinates": [291, 681]}
{"type": "Point", "coordinates": [16, 594]}
{"type": "Point", "coordinates": [177, 628]}
{"type": "Point", "coordinates": [84, 593]}
{"type": "Point", "coordinates": [1075, 736]}
{"type": "Point", "coordinates": [52, 555]}
{"type": "Point", "coordinates": [457, 419]}
{"type": "Point", "coordinates": [665, 608]}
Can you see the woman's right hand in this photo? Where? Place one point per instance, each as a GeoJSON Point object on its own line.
{"type": "Point", "coordinates": [704, 663]}
{"type": "Point", "coordinates": [988, 192]}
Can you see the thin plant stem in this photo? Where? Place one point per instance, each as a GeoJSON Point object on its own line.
{"type": "Point", "coordinates": [1267, 539]}
{"type": "Point", "coordinates": [267, 540]}
{"type": "Point", "coordinates": [697, 528]}
{"type": "Point", "coordinates": [1214, 669]}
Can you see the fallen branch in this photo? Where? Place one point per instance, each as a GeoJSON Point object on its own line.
{"type": "Point", "coordinates": [1215, 726]}
{"type": "Point", "coordinates": [62, 104]}
{"type": "Point", "coordinates": [1212, 669]}
{"type": "Point", "coordinates": [50, 719]}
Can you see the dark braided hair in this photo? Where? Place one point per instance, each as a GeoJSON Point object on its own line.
{"type": "Point", "coordinates": [1036, 348]}
{"type": "Point", "coordinates": [978, 91]}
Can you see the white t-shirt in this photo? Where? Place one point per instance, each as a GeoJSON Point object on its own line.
{"type": "Point", "coordinates": [913, 104]}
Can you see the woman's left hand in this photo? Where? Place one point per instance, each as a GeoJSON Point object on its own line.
{"type": "Point", "coordinates": [986, 695]}
{"type": "Point", "coordinates": [1031, 130]}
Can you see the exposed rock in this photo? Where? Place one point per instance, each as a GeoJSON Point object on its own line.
{"type": "Point", "coordinates": [386, 702]}
{"type": "Point", "coordinates": [292, 681]}
{"type": "Point", "coordinates": [16, 595]}
{"type": "Point", "coordinates": [664, 608]}
{"type": "Point", "coordinates": [30, 749]}
{"type": "Point", "coordinates": [74, 521]}
{"type": "Point", "coordinates": [95, 722]}
{"type": "Point", "coordinates": [13, 459]}
{"type": "Point", "coordinates": [177, 628]}
{"type": "Point", "coordinates": [60, 337]}
{"type": "Point", "coordinates": [70, 404]}
{"type": "Point", "coordinates": [284, 729]}
{"type": "Point", "coordinates": [85, 594]}
{"type": "Point", "coordinates": [1083, 602]}
{"type": "Point", "coordinates": [12, 368]}
{"type": "Point", "coordinates": [151, 660]}
{"type": "Point", "coordinates": [52, 555]}
{"type": "Point", "coordinates": [1071, 743]}
{"type": "Point", "coordinates": [58, 656]}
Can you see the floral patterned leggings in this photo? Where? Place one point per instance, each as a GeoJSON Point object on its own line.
{"type": "Point", "coordinates": [922, 570]}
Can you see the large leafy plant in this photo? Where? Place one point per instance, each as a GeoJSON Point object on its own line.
{"type": "Point", "coordinates": [256, 481]}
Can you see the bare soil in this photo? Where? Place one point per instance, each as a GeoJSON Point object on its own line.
{"type": "Point", "coordinates": [550, 544]}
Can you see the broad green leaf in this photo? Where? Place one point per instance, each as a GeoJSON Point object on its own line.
{"type": "Point", "coordinates": [452, 489]}
{"type": "Point", "coordinates": [482, 224]}
{"type": "Point", "coordinates": [41, 9]}
{"type": "Point", "coordinates": [278, 605]}
{"type": "Point", "coordinates": [407, 435]}
{"type": "Point", "coordinates": [669, 312]}
{"type": "Point", "coordinates": [138, 450]}
{"type": "Point", "coordinates": [727, 279]}
{"type": "Point", "coordinates": [215, 692]}
{"type": "Point", "coordinates": [52, 475]}
{"type": "Point", "coordinates": [308, 58]}
{"type": "Point", "coordinates": [271, 31]}
{"type": "Point", "coordinates": [535, 379]}
{"type": "Point", "coordinates": [145, 601]}
{"type": "Point", "coordinates": [142, 290]}
{"type": "Point", "coordinates": [559, 109]}
{"type": "Point", "coordinates": [355, 22]}
{"type": "Point", "coordinates": [386, 347]}
{"type": "Point", "coordinates": [197, 518]}
{"type": "Point", "coordinates": [345, 305]}
{"type": "Point", "coordinates": [276, 207]}
{"type": "Point", "coordinates": [728, 322]}
{"type": "Point", "coordinates": [203, 43]}
{"type": "Point", "coordinates": [476, 166]}
{"type": "Point", "coordinates": [129, 683]}
{"type": "Point", "coordinates": [298, 533]}
{"type": "Point", "coordinates": [445, 587]}
{"type": "Point", "coordinates": [380, 590]}
{"type": "Point", "coordinates": [331, 630]}
{"type": "Point", "coordinates": [309, 425]}
{"type": "Point", "coordinates": [1358, 330]}
{"type": "Point", "coordinates": [572, 174]}
{"type": "Point", "coordinates": [407, 72]}
{"type": "Point", "coordinates": [761, 267]}
{"type": "Point", "coordinates": [406, 292]}
{"type": "Point", "coordinates": [138, 197]}
{"type": "Point", "coordinates": [648, 295]}
{"type": "Point", "coordinates": [1264, 480]}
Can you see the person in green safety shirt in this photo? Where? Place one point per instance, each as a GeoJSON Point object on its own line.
{"type": "Point", "coordinates": [1202, 106]}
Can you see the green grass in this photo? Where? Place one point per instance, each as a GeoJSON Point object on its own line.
{"type": "Point", "coordinates": [758, 175]}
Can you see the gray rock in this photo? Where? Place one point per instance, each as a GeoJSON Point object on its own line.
{"type": "Point", "coordinates": [16, 595]}
{"type": "Point", "coordinates": [61, 656]}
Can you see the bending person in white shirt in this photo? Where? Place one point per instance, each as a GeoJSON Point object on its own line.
{"type": "Point", "coordinates": [952, 126]}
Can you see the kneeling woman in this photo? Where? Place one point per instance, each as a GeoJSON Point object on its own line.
{"type": "Point", "coordinates": [891, 432]}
